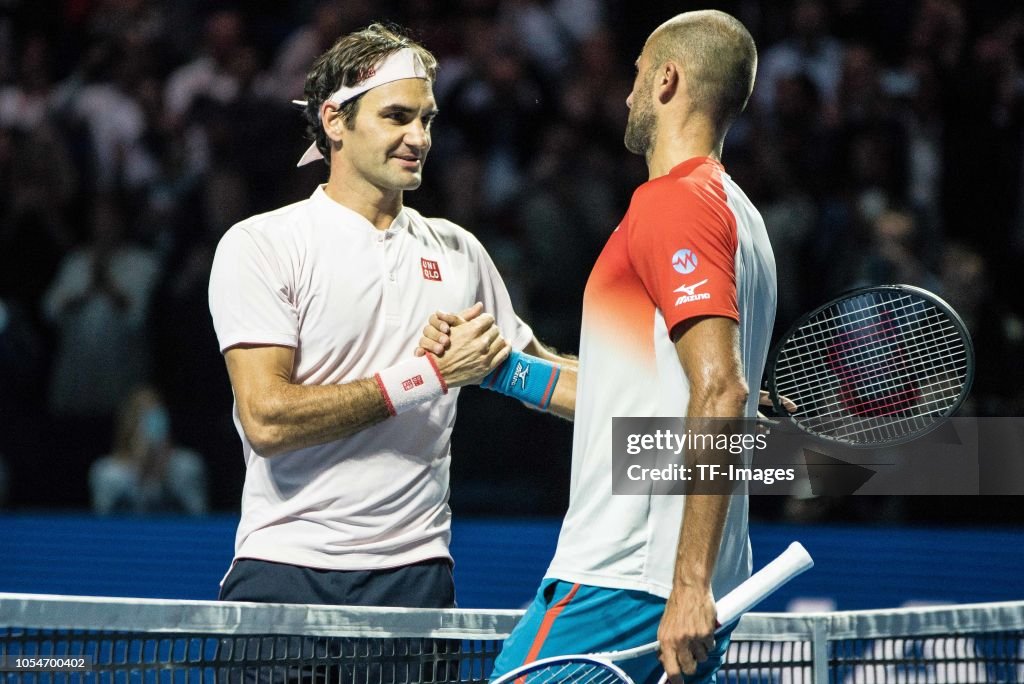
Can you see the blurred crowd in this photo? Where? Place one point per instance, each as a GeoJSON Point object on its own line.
{"type": "Point", "coordinates": [883, 144]}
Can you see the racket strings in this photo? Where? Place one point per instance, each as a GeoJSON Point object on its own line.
{"type": "Point", "coordinates": [922, 409]}
{"type": "Point", "coordinates": [847, 314]}
{"type": "Point", "coordinates": [881, 428]}
{"type": "Point", "coordinates": [822, 332]}
{"type": "Point", "coordinates": [808, 347]}
{"type": "Point", "coordinates": [878, 366]}
{"type": "Point", "coordinates": [882, 393]}
{"type": "Point", "coordinates": [571, 673]}
{"type": "Point", "coordinates": [800, 349]}
{"type": "Point", "coordinates": [812, 369]}
{"type": "Point", "coordinates": [893, 318]}
{"type": "Point", "coordinates": [842, 426]}
{"type": "Point", "coordinates": [952, 365]}
{"type": "Point", "coordinates": [939, 391]}
{"type": "Point", "coordinates": [807, 365]}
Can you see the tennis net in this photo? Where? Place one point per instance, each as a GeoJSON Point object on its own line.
{"type": "Point", "coordinates": [149, 641]}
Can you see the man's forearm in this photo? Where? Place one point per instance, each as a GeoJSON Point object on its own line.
{"type": "Point", "coordinates": [703, 522]}
{"type": "Point", "coordinates": [704, 514]}
{"type": "Point", "coordinates": [563, 397]}
{"type": "Point", "coordinates": [287, 416]}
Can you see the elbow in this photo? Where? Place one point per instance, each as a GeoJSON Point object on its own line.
{"type": "Point", "coordinates": [731, 401]}
{"type": "Point", "coordinates": [264, 442]}
{"type": "Point", "coordinates": [726, 398]}
{"type": "Point", "coordinates": [263, 434]}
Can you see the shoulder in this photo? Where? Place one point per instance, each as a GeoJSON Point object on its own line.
{"type": "Point", "coordinates": [690, 204]}
{"type": "Point", "coordinates": [271, 226]}
{"type": "Point", "coordinates": [441, 226]}
{"type": "Point", "coordinates": [688, 195]}
{"type": "Point", "coordinates": [448, 235]}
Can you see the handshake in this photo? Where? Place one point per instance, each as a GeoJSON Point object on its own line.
{"type": "Point", "coordinates": [467, 349]}
{"type": "Point", "coordinates": [466, 346]}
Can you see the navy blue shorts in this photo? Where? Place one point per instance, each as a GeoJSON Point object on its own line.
{"type": "Point", "coordinates": [427, 584]}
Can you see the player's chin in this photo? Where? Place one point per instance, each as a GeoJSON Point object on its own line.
{"type": "Point", "coordinates": [407, 176]}
{"type": "Point", "coordinates": [410, 180]}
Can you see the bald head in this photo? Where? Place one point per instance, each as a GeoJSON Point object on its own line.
{"type": "Point", "coordinates": [717, 56]}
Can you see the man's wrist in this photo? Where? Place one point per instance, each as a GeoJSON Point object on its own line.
{"type": "Point", "coordinates": [527, 378]}
{"type": "Point", "coordinates": [410, 383]}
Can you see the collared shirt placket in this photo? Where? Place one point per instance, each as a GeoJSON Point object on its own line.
{"type": "Point", "coordinates": [390, 242]}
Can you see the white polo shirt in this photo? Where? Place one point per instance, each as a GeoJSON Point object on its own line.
{"type": "Point", "coordinates": [351, 300]}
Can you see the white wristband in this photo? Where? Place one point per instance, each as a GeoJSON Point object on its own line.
{"type": "Point", "coordinates": [409, 383]}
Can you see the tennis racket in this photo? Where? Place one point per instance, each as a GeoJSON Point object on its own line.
{"type": "Point", "coordinates": [600, 668]}
{"type": "Point", "coordinates": [877, 366]}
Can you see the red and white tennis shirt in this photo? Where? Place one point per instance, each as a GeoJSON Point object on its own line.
{"type": "Point", "coordinates": [351, 300]}
{"type": "Point", "coordinates": [691, 244]}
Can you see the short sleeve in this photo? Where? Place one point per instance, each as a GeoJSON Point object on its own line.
{"type": "Point", "coordinates": [496, 300]}
{"type": "Point", "coordinates": [249, 295]}
{"type": "Point", "coordinates": [682, 245]}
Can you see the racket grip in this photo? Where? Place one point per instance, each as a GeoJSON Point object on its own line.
{"type": "Point", "coordinates": [793, 561]}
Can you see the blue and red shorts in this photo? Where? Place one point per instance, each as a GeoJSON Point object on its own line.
{"type": "Point", "coordinates": [566, 618]}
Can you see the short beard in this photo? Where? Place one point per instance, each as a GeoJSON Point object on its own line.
{"type": "Point", "coordinates": [640, 132]}
{"type": "Point", "coordinates": [641, 125]}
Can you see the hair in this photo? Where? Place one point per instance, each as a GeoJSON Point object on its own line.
{"type": "Point", "coordinates": [347, 63]}
{"type": "Point", "coordinates": [718, 57]}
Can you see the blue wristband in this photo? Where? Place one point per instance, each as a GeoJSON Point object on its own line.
{"type": "Point", "coordinates": [525, 378]}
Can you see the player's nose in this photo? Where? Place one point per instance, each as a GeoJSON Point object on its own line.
{"type": "Point", "coordinates": [416, 134]}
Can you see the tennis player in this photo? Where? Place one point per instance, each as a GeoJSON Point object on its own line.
{"type": "Point", "coordinates": [677, 317]}
{"type": "Point", "coordinates": [317, 308]}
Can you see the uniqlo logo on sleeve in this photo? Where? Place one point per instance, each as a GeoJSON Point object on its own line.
{"type": "Point", "coordinates": [414, 381]}
{"type": "Point", "coordinates": [430, 269]}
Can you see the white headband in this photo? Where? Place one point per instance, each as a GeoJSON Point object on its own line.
{"type": "Point", "coordinates": [405, 63]}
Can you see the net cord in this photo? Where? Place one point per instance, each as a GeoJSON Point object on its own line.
{"type": "Point", "coordinates": [44, 611]}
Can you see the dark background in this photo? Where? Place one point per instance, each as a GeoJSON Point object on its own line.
{"type": "Point", "coordinates": [883, 144]}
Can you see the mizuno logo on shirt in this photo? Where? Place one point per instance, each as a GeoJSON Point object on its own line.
{"type": "Point", "coordinates": [689, 293]}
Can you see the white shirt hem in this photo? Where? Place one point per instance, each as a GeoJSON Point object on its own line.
{"type": "Point", "coordinates": [610, 581]}
{"type": "Point", "coordinates": [277, 553]}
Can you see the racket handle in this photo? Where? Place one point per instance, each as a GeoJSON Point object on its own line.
{"type": "Point", "coordinates": [733, 605]}
{"type": "Point", "coordinates": [743, 598]}
{"type": "Point", "coordinates": [785, 567]}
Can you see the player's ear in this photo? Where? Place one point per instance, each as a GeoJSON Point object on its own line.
{"type": "Point", "coordinates": [668, 81]}
{"type": "Point", "coordinates": [332, 121]}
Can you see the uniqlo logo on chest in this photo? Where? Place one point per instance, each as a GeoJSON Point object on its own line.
{"type": "Point", "coordinates": [414, 381]}
{"type": "Point", "coordinates": [430, 269]}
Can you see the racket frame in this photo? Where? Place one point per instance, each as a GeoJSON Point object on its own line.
{"type": "Point", "coordinates": [933, 299]}
{"type": "Point", "coordinates": [544, 663]}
